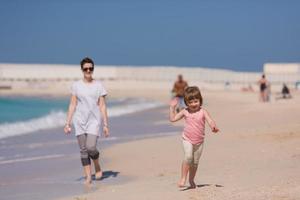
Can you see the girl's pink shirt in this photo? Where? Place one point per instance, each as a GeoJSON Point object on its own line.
{"type": "Point", "coordinates": [194, 126]}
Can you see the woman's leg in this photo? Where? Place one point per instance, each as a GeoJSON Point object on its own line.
{"type": "Point", "coordinates": [98, 171]}
{"type": "Point", "coordinates": [94, 154]}
{"type": "Point", "coordinates": [85, 160]}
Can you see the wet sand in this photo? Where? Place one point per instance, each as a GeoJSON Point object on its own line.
{"type": "Point", "coordinates": [46, 164]}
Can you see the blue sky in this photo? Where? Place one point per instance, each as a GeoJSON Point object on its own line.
{"type": "Point", "coordinates": [238, 35]}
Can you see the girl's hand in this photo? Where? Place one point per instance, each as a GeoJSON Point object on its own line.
{"type": "Point", "coordinates": [215, 129]}
{"type": "Point", "coordinates": [67, 129]}
{"type": "Point", "coordinates": [105, 131]}
{"type": "Point", "coordinates": [174, 102]}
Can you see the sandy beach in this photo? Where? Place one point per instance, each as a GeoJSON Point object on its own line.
{"type": "Point", "coordinates": [255, 156]}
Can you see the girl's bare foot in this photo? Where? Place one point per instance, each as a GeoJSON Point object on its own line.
{"type": "Point", "coordinates": [193, 184]}
{"type": "Point", "coordinates": [98, 175]}
{"type": "Point", "coordinates": [181, 183]}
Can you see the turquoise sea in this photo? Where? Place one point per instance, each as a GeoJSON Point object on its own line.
{"type": "Point", "coordinates": [22, 115]}
{"type": "Point", "coordinates": [23, 108]}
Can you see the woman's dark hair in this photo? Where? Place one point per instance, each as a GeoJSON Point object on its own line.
{"type": "Point", "coordinates": [191, 93]}
{"type": "Point", "coordinates": [86, 60]}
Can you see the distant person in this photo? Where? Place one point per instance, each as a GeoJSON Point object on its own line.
{"type": "Point", "coordinates": [89, 108]}
{"type": "Point", "coordinates": [247, 89]}
{"type": "Point", "coordinates": [178, 91]}
{"type": "Point", "coordinates": [193, 133]}
{"type": "Point", "coordinates": [268, 92]}
{"type": "Point", "coordinates": [227, 85]}
{"type": "Point", "coordinates": [263, 84]}
{"type": "Point", "coordinates": [285, 92]}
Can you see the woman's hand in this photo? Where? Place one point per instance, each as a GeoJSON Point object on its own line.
{"type": "Point", "coordinates": [105, 131]}
{"type": "Point", "coordinates": [67, 129]}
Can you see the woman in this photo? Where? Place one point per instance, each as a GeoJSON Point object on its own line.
{"type": "Point", "coordinates": [263, 84]}
{"type": "Point", "coordinates": [88, 106]}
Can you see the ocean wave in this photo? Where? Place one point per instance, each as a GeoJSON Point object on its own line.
{"type": "Point", "coordinates": [57, 119]}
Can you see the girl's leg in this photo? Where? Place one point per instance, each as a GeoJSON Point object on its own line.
{"type": "Point", "coordinates": [197, 151]}
{"type": "Point", "coordinates": [184, 172]}
{"type": "Point", "coordinates": [94, 154]}
{"type": "Point", "coordinates": [85, 160]}
{"type": "Point", "coordinates": [188, 157]}
{"type": "Point", "coordinates": [192, 173]}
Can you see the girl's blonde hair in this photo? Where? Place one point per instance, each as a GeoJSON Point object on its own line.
{"type": "Point", "coordinates": [191, 93]}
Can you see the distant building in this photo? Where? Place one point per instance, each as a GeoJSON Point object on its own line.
{"type": "Point", "coordinates": [279, 73]}
{"type": "Point", "coordinates": [282, 68]}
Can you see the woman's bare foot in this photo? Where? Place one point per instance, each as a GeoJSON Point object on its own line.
{"type": "Point", "coordinates": [98, 175]}
{"type": "Point", "coordinates": [88, 181]}
{"type": "Point", "coordinates": [98, 171]}
{"type": "Point", "coordinates": [181, 183]}
{"type": "Point", "coordinates": [193, 184]}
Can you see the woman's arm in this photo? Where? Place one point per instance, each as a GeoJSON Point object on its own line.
{"type": "Point", "coordinates": [210, 121]}
{"type": "Point", "coordinates": [103, 110]}
{"type": "Point", "coordinates": [71, 110]}
{"type": "Point", "coordinates": [173, 116]}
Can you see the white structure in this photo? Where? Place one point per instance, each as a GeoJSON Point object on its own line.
{"type": "Point", "coordinates": [282, 68]}
{"type": "Point", "coordinates": [279, 73]}
{"type": "Point", "coordinates": [28, 72]}
{"type": "Point", "coordinates": [45, 76]}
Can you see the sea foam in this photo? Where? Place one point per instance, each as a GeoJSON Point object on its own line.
{"type": "Point", "coordinates": [57, 119]}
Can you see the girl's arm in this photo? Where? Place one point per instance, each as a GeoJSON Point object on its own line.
{"type": "Point", "coordinates": [72, 106]}
{"type": "Point", "coordinates": [103, 110]}
{"type": "Point", "coordinates": [210, 121]}
{"type": "Point", "coordinates": [173, 117]}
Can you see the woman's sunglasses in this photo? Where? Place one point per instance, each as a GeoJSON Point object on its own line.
{"type": "Point", "coordinates": [91, 69]}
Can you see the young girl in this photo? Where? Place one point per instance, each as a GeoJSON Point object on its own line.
{"type": "Point", "coordinates": [193, 132]}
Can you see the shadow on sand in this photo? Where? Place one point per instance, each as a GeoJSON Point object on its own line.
{"type": "Point", "coordinates": [200, 186]}
{"type": "Point", "coordinates": [106, 175]}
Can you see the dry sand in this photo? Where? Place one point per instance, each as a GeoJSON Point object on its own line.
{"type": "Point", "coordinates": [255, 156]}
